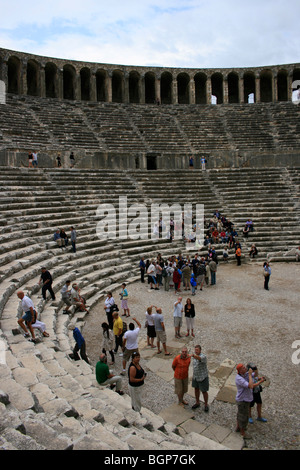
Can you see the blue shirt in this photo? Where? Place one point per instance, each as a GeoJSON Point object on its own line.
{"type": "Point", "coordinates": [78, 337]}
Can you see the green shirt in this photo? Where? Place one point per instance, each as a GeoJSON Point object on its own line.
{"type": "Point", "coordinates": [102, 372]}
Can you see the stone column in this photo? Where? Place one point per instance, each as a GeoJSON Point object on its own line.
{"type": "Point", "coordinates": [241, 89]}
{"type": "Point", "coordinates": [108, 86]}
{"type": "Point", "coordinates": [77, 86]}
{"type": "Point", "coordinates": [23, 77]}
{"type": "Point", "coordinates": [157, 89]}
{"type": "Point", "coordinates": [141, 86]}
{"type": "Point", "coordinates": [59, 83]}
{"type": "Point", "coordinates": [93, 88]}
{"type": "Point", "coordinates": [42, 81]}
{"type": "Point", "coordinates": [4, 73]}
{"type": "Point", "coordinates": [257, 89]}
{"type": "Point", "coordinates": [225, 90]}
{"type": "Point", "coordinates": [192, 91]}
{"type": "Point", "coordinates": [174, 91]}
{"type": "Point", "coordinates": [275, 89]}
{"type": "Point", "coordinates": [125, 91]}
{"type": "Point", "coordinates": [208, 90]}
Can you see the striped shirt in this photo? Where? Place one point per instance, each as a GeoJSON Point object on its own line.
{"type": "Point", "coordinates": [200, 371]}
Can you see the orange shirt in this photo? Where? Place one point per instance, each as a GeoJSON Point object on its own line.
{"type": "Point", "coordinates": [181, 367]}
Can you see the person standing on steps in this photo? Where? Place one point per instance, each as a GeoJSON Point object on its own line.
{"type": "Point", "coordinates": [124, 297]}
{"type": "Point", "coordinates": [177, 315]}
{"type": "Point", "coordinates": [73, 239]}
{"type": "Point", "coordinates": [136, 376]}
{"type": "Point", "coordinates": [160, 331]}
{"type": "Point", "coordinates": [72, 160]}
{"type": "Point", "coordinates": [189, 311]}
{"type": "Point", "coordinates": [267, 274]}
{"type": "Point", "coordinates": [46, 280]}
{"type": "Point", "coordinates": [79, 345]}
{"type": "Point", "coordinates": [130, 342]}
{"type": "Point", "coordinates": [180, 366]}
{"type": "Point", "coordinates": [200, 380]}
{"type": "Point", "coordinates": [245, 385]}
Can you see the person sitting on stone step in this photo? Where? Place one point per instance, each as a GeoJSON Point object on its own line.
{"type": "Point", "coordinates": [57, 238]}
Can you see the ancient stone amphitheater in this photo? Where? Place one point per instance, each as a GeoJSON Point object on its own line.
{"type": "Point", "coordinates": [132, 130]}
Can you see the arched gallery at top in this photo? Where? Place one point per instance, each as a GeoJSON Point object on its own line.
{"type": "Point", "coordinates": [166, 87]}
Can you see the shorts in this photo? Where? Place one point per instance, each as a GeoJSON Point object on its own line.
{"type": "Point", "coordinates": [28, 316]}
{"type": "Point", "coordinates": [181, 386]}
{"type": "Point", "coordinates": [161, 337]}
{"type": "Point", "coordinates": [256, 399]}
{"type": "Point", "coordinates": [128, 353]}
{"type": "Point", "coordinates": [67, 301]}
{"type": "Point", "coordinates": [203, 385]}
{"type": "Point", "coordinates": [177, 321]}
{"type": "Point", "coordinates": [151, 331]}
{"type": "Point", "coordinates": [243, 414]}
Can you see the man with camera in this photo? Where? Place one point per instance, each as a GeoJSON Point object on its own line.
{"type": "Point", "coordinates": [245, 384]}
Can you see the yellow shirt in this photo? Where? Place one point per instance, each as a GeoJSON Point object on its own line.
{"type": "Point", "coordinates": [118, 324]}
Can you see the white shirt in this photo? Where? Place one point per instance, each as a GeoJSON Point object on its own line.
{"type": "Point", "coordinates": [109, 302]}
{"type": "Point", "coordinates": [27, 303]}
{"type": "Point", "coordinates": [132, 338]}
{"type": "Point", "coordinates": [178, 310]}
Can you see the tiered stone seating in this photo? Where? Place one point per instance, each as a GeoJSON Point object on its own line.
{"type": "Point", "coordinates": [20, 128]}
{"type": "Point", "coordinates": [266, 197]}
{"type": "Point", "coordinates": [55, 403]}
{"type": "Point", "coordinates": [47, 401]}
{"type": "Point", "coordinates": [264, 128]}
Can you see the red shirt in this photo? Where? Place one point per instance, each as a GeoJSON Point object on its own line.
{"type": "Point", "coordinates": [181, 367]}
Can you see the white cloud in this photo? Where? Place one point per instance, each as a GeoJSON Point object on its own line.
{"type": "Point", "coordinates": [189, 33]}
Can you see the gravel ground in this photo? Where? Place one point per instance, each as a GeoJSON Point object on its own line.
{"type": "Point", "coordinates": [239, 320]}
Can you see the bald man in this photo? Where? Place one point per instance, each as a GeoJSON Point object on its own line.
{"type": "Point", "coordinates": [30, 315]}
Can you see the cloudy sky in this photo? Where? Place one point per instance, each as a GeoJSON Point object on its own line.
{"type": "Point", "coordinates": [185, 33]}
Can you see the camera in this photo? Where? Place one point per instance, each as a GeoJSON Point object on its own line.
{"type": "Point", "coordinates": [251, 366]}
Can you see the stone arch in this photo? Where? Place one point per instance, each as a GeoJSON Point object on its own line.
{"type": "Point", "coordinates": [51, 80]}
{"type": "Point", "coordinates": [14, 75]}
{"type": "Point", "coordinates": [101, 77]}
{"type": "Point", "coordinates": [233, 88]}
{"type": "Point", "coordinates": [150, 87]}
{"type": "Point", "coordinates": [217, 86]}
{"type": "Point", "coordinates": [117, 86]}
{"type": "Point", "coordinates": [200, 88]}
{"type": "Point", "coordinates": [249, 86]}
{"type": "Point", "coordinates": [85, 80]}
{"type": "Point", "coordinates": [282, 85]}
{"type": "Point", "coordinates": [33, 78]}
{"type": "Point", "coordinates": [266, 86]}
{"type": "Point", "coordinates": [166, 80]}
{"type": "Point", "coordinates": [183, 84]}
{"type": "Point", "coordinates": [69, 82]}
{"type": "Point", "coordinates": [134, 87]}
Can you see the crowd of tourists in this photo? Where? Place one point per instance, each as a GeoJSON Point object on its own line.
{"type": "Point", "coordinates": [180, 273]}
